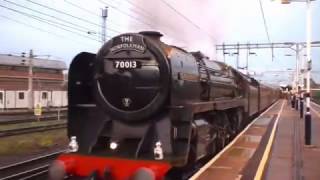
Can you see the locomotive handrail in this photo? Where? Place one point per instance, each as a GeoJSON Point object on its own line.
{"type": "Point", "coordinates": [135, 57]}
{"type": "Point", "coordinates": [216, 105]}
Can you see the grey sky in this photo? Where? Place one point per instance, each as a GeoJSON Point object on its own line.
{"type": "Point", "coordinates": [191, 24]}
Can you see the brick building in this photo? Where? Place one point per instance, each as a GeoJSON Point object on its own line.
{"type": "Point", "coordinates": [49, 85]}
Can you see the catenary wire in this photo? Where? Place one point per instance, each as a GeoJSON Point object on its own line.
{"type": "Point", "coordinates": [141, 9]}
{"type": "Point", "coordinates": [47, 22]}
{"type": "Point", "coordinates": [67, 14]}
{"type": "Point", "coordinates": [50, 22]}
{"type": "Point", "coordinates": [264, 21]}
{"type": "Point", "coordinates": [135, 10]}
{"type": "Point", "coordinates": [125, 13]}
{"type": "Point", "coordinates": [90, 12]}
{"type": "Point", "coordinates": [40, 29]}
{"type": "Point", "coordinates": [186, 18]}
{"type": "Point", "coordinates": [146, 14]}
{"type": "Point", "coordinates": [48, 15]}
{"type": "Point", "coordinates": [83, 9]}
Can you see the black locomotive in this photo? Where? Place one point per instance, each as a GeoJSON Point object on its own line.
{"type": "Point", "coordinates": [140, 103]}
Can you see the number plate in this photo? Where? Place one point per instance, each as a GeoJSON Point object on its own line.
{"type": "Point", "coordinates": [123, 64]}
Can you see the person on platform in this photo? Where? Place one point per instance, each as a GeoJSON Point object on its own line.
{"type": "Point", "coordinates": [293, 100]}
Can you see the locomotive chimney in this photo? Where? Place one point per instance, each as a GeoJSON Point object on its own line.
{"type": "Point", "coordinates": [154, 35]}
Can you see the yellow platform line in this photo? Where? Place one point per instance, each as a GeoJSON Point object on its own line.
{"type": "Point", "coordinates": [267, 151]}
{"type": "Point", "coordinates": [216, 157]}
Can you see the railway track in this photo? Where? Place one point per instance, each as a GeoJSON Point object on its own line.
{"type": "Point", "coordinates": [26, 111]}
{"type": "Point", "coordinates": [20, 131]}
{"type": "Point", "coordinates": [35, 168]}
{"type": "Point", "coordinates": [11, 119]}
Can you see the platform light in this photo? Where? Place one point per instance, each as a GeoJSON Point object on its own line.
{"type": "Point", "coordinates": [113, 145]}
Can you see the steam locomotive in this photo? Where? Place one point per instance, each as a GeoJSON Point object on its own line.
{"type": "Point", "coordinates": [140, 106]}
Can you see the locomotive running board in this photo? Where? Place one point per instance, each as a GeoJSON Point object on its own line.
{"type": "Point", "coordinates": [216, 105]}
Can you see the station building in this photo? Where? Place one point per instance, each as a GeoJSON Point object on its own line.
{"type": "Point", "coordinates": [49, 83]}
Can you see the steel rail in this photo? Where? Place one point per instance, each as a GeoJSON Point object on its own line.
{"type": "Point", "coordinates": [31, 119]}
{"type": "Point", "coordinates": [20, 131]}
{"type": "Point", "coordinates": [28, 169]}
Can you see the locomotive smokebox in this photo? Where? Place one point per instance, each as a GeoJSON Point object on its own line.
{"type": "Point", "coordinates": [132, 76]}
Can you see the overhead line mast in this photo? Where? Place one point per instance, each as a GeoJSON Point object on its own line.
{"type": "Point", "coordinates": [104, 15]}
{"type": "Point", "coordinates": [295, 46]}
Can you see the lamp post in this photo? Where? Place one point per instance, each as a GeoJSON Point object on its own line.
{"type": "Point", "coordinates": [104, 15]}
{"type": "Point", "coordinates": [30, 80]}
{"type": "Point", "coordinates": [30, 65]}
{"type": "Point", "coordinates": [308, 114]}
{"type": "Point", "coordinates": [309, 65]}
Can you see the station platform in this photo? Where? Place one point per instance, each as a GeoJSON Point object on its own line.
{"type": "Point", "coordinates": [271, 147]}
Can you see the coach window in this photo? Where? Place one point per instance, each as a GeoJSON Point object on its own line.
{"type": "Point", "coordinates": [44, 95]}
{"type": "Point", "coordinates": [1, 97]}
{"type": "Point", "coordinates": [21, 95]}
